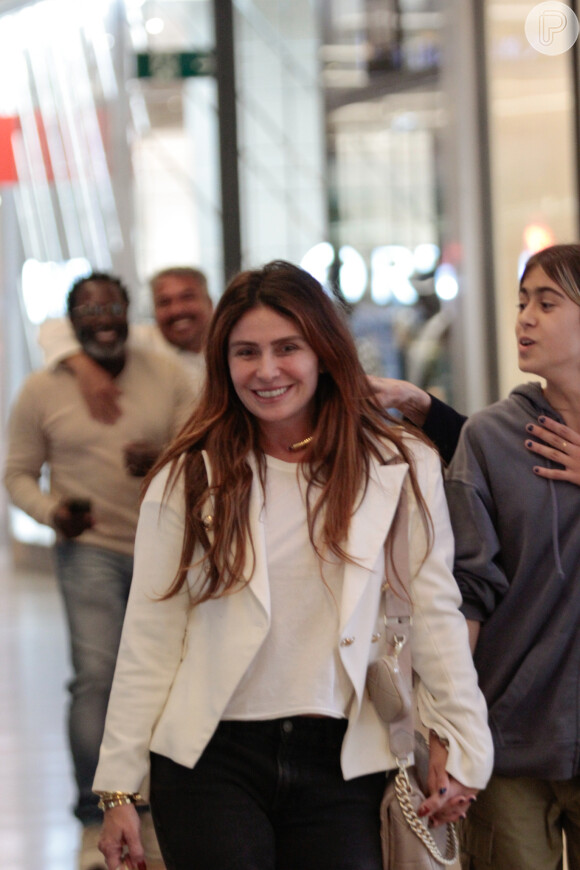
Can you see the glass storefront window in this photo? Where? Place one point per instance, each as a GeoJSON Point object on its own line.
{"type": "Point", "coordinates": [384, 115]}
{"type": "Point", "coordinates": [533, 159]}
{"type": "Point", "coordinates": [175, 149]}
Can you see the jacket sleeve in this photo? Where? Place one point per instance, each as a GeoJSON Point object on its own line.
{"type": "Point", "coordinates": [448, 696]}
{"type": "Point", "coordinates": [443, 426]}
{"type": "Point", "coordinates": [57, 341]}
{"type": "Point", "coordinates": [154, 633]}
{"type": "Point", "coordinates": [27, 452]}
{"type": "Point", "coordinates": [478, 569]}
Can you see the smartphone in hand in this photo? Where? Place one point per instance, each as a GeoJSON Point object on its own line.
{"type": "Point", "coordinates": [79, 505]}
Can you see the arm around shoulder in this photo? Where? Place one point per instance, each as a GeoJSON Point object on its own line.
{"type": "Point", "coordinates": [443, 425]}
{"type": "Point", "coordinates": [57, 341]}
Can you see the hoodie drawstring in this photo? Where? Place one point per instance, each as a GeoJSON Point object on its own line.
{"type": "Point", "coordinates": [555, 541]}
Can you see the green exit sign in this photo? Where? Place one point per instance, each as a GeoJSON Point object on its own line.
{"type": "Point", "coordinates": [175, 65]}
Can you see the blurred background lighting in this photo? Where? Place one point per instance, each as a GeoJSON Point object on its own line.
{"type": "Point", "coordinates": [446, 284]}
{"type": "Point", "coordinates": [353, 274]}
{"type": "Point", "coordinates": [154, 26]}
{"type": "Point", "coordinates": [318, 260]}
{"type": "Point", "coordinates": [391, 268]}
{"type": "Point", "coordinates": [426, 257]}
{"type": "Point", "coordinates": [45, 286]}
{"type": "Point", "coordinates": [537, 237]}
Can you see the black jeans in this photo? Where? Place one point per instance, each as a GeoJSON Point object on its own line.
{"type": "Point", "coordinates": [268, 796]}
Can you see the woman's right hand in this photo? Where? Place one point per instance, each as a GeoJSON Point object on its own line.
{"type": "Point", "coordinates": [458, 799]}
{"type": "Point", "coordinates": [120, 840]}
{"type": "Point", "coordinates": [448, 798]}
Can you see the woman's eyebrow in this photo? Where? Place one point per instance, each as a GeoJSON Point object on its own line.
{"type": "Point", "coordinates": [524, 291]}
{"type": "Point", "coordinates": [242, 341]}
{"type": "Point", "coordinates": [275, 341]}
{"type": "Point", "coordinates": [289, 338]}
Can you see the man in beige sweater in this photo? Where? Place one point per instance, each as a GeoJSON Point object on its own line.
{"type": "Point", "coordinates": [183, 308]}
{"type": "Point", "coordinates": [92, 500]}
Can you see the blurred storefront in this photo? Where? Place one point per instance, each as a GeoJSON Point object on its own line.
{"type": "Point", "coordinates": [534, 156]}
{"type": "Point", "coordinates": [407, 152]}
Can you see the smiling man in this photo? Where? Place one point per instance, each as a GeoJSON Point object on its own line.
{"type": "Point", "coordinates": [97, 308]}
{"type": "Point", "coordinates": [182, 306]}
{"type": "Point", "coordinates": [93, 500]}
{"type": "Point", "coordinates": [183, 310]}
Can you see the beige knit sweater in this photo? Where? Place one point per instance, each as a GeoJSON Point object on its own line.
{"type": "Point", "coordinates": [50, 426]}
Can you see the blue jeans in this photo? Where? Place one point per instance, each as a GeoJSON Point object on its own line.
{"type": "Point", "coordinates": [94, 583]}
{"type": "Point", "coordinates": [268, 796]}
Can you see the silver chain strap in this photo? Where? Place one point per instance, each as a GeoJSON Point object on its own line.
{"type": "Point", "coordinates": [403, 791]}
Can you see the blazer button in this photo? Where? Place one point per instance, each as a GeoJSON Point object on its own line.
{"type": "Point", "coordinates": [376, 637]}
{"type": "Point", "coordinates": [347, 641]}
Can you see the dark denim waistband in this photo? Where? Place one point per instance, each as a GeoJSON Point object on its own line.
{"type": "Point", "coordinates": [324, 732]}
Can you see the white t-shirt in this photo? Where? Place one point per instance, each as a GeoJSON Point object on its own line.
{"type": "Point", "coordinates": [297, 670]}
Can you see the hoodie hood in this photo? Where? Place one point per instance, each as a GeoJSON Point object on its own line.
{"type": "Point", "coordinates": [531, 397]}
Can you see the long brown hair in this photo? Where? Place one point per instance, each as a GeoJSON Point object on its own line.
{"type": "Point", "coordinates": [350, 428]}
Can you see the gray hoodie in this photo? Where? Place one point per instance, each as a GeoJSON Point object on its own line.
{"type": "Point", "coordinates": [517, 564]}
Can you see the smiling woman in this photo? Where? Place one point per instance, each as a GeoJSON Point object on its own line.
{"type": "Point", "coordinates": [275, 374]}
{"type": "Point", "coordinates": [254, 607]}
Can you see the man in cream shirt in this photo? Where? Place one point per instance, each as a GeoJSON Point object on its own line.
{"type": "Point", "coordinates": [183, 310]}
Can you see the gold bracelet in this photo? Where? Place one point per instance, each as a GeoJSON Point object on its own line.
{"type": "Point", "coordinates": [110, 799]}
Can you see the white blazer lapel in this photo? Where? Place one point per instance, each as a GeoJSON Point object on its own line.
{"type": "Point", "coordinates": [369, 528]}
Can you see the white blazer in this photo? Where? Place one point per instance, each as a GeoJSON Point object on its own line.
{"type": "Point", "coordinates": [178, 665]}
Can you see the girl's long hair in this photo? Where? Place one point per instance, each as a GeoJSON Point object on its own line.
{"type": "Point", "coordinates": [349, 429]}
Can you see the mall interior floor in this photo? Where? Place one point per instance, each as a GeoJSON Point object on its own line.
{"type": "Point", "coordinates": [37, 829]}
